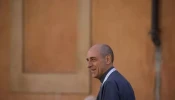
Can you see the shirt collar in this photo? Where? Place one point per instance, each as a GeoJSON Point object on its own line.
{"type": "Point", "coordinates": [104, 75]}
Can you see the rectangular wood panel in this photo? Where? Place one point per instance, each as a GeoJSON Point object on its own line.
{"type": "Point", "coordinates": [50, 34]}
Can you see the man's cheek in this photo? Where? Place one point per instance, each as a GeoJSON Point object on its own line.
{"type": "Point", "coordinates": [94, 74]}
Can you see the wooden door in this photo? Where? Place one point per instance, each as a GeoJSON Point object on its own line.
{"type": "Point", "coordinates": [43, 45]}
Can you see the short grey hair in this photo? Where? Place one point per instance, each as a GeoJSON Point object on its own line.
{"type": "Point", "coordinates": [106, 50]}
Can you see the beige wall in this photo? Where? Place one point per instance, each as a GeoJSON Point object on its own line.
{"type": "Point", "coordinates": [124, 25]}
{"type": "Point", "coordinates": [168, 45]}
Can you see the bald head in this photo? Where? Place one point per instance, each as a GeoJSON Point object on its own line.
{"type": "Point", "coordinates": [100, 58]}
{"type": "Point", "coordinates": [104, 50]}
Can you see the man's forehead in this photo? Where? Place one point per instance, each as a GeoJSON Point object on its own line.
{"type": "Point", "coordinates": [95, 48]}
{"type": "Point", "coordinates": [93, 53]}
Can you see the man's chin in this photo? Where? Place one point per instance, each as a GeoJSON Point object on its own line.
{"type": "Point", "coordinates": [94, 76]}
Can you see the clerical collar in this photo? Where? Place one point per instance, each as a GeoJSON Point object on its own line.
{"type": "Point", "coordinates": [104, 75]}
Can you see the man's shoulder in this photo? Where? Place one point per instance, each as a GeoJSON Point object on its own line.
{"type": "Point", "coordinates": [116, 76]}
{"type": "Point", "coordinates": [118, 79]}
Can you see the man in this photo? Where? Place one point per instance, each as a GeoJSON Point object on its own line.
{"type": "Point", "coordinates": [114, 86]}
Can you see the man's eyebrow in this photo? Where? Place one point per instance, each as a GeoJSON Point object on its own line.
{"type": "Point", "coordinates": [90, 58]}
{"type": "Point", "coordinates": [87, 59]}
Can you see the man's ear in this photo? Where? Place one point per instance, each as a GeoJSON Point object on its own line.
{"type": "Point", "coordinates": [108, 59]}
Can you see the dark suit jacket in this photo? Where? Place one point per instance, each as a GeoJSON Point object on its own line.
{"type": "Point", "coordinates": [116, 87]}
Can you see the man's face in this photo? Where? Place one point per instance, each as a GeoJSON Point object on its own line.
{"type": "Point", "coordinates": [96, 63]}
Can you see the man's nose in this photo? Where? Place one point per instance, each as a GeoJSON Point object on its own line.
{"type": "Point", "coordinates": [89, 64]}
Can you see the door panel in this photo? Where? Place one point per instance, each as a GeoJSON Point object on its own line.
{"type": "Point", "coordinates": [77, 82]}
{"type": "Point", "coordinates": [50, 34]}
